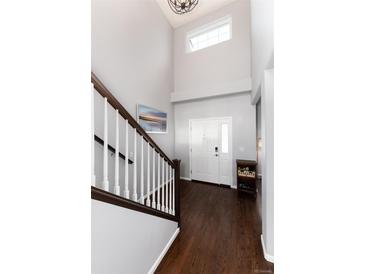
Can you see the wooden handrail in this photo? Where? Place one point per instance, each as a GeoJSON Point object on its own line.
{"type": "Point", "coordinates": [104, 92]}
{"type": "Point", "coordinates": [110, 148]}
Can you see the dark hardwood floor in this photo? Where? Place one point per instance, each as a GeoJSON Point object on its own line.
{"type": "Point", "coordinates": [220, 233]}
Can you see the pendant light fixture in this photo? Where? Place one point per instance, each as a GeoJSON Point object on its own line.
{"type": "Point", "coordinates": [182, 6]}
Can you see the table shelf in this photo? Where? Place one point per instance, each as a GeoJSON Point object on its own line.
{"type": "Point", "coordinates": [247, 184]}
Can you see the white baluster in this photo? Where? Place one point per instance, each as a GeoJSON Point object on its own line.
{"type": "Point", "coordinates": [105, 163]}
{"type": "Point", "coordinates": [166, 184]}
{"type": "Point", "coordinates": [116, 182]}
{"type": "Point", "coordinates": [153, 180]}
{"type": "Point", "coordinates": [158, 182]}
{"type": "Point", "coordinates": [170, 190]}
{"type": "Point", "coordinates": [173, 191]}
{"type": "Point", "coordinates": [126, 169]}
{"type": "Point", "coordinates": [148, 202]}
{"type": "Point", "coordinates": [134, 196]}
{"type": "Point", "coordinates": [141, 198]}
{"type": "Point", "coordinates": [163, 186]}
{"type": "Point", "coordinates": [92, 138]}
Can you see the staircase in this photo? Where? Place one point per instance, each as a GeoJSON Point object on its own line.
{"type": "Point", "coordinates": [150, 181]}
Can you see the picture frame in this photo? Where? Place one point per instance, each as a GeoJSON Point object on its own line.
{"type": "Point", "coordinates": [152, 120]}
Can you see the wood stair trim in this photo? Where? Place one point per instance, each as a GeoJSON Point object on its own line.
{"type": "Point", "coordinates": [110, 198]}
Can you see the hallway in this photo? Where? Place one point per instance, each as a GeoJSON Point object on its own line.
{"type": "Point", "coordinates": [220, 233]}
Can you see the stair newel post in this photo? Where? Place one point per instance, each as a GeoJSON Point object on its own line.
{"type": "Point", "coordinates": [158, 181]}
{"type": "Point", "coordinates": [126, 167]}
{"type": "Point", "coordinates": [116, 182]}
{"type": "Point", "coordinates": [170, 189]}
{"type": "Point", "coordinates": [105, 152]}
{"type": "Point", "coordinates": [92, 137]}
{"type": "Point", "coordinates": [173, 191]}
{"type": "Point", "coordinates": [148, 201]}
{"type": "Point", "coordinates": [162, 186]}
{"type": "Point", "coordinates": [141, 197]}
{"type": "Point", "coordinates": [134, 196]}
{"type": "Point", "coordinates": [177, 189]}
{"type": "Point", "coordinates": [153, 179]}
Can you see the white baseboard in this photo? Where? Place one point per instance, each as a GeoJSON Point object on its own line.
{"type": "Point", "coordinates": [185, 178]}
{"type": "Point", "coordinates": [268, 257]}
{"type": "Point", "coordinates": [163, 253]}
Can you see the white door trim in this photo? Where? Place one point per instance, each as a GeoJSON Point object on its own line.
{"type": "Point", "coordinates": [230, 140]}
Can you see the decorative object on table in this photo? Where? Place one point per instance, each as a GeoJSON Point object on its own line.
{"type": "Point", "coordinates": [152, 120]}
{"type": "Point", "coordinates": [182, 6]}
{"type": "Point", "coordinates": [247, 176]}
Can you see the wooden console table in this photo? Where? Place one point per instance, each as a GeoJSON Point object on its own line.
{"type": "Point", "coordinates": [247, 176]}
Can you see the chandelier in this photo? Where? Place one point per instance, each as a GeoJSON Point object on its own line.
{"type": "Point", "coordinates": [182, 6]}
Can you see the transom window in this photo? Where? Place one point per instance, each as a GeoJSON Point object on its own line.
{"type": "Point", "coordinates": [209, 35]}
{"type": "Point", "coordinates": [224, 138]}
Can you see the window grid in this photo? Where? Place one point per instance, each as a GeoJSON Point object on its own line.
{"type": "Point", "coordinates": [210, 37]}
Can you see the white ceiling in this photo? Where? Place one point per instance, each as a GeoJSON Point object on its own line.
{"type": "Point", "coordinates": [204, 7]}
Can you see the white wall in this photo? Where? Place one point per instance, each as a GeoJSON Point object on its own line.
{"type": "Point", "coordinates": [262, 42]}
{"type": "Point", "coordinates": [267, 102]}
{"type": "Point", "coordinates": [243, 115]}
{"type": "Point", "coordinates": [221, 67]}
{"type": "Point", "coordinates": [125, 241]}
{"type": "Point", "coordinates": [132, 55]}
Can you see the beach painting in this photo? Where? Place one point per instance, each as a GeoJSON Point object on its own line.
{"type": "Point", "coordinates": [151, 119]}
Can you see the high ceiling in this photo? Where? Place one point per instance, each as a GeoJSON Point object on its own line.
{"type": "Point", "coordinates": [204, 7]}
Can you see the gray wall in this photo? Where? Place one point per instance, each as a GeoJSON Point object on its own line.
{"type": "Point", "coordinates": [262, 48]}
{"type": "Point", "coordinates": [243, 115]}
{"type": "Point", "coordinates": [267, 103]}
{"type": "Point", "coordinates": [262, 42]}
{"type": "Point", "coordinates": [222, 65]}
{"type": "Point", "coordinates": [121, 237]}
{"type": "Point", "coordinates": [132, 55]}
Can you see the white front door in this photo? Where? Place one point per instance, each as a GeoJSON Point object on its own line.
{"type": "Point", "coordinates": [211, 150]}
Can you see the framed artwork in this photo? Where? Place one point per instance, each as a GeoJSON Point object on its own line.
{"type": "Point", "coordinates": [151, 120]}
